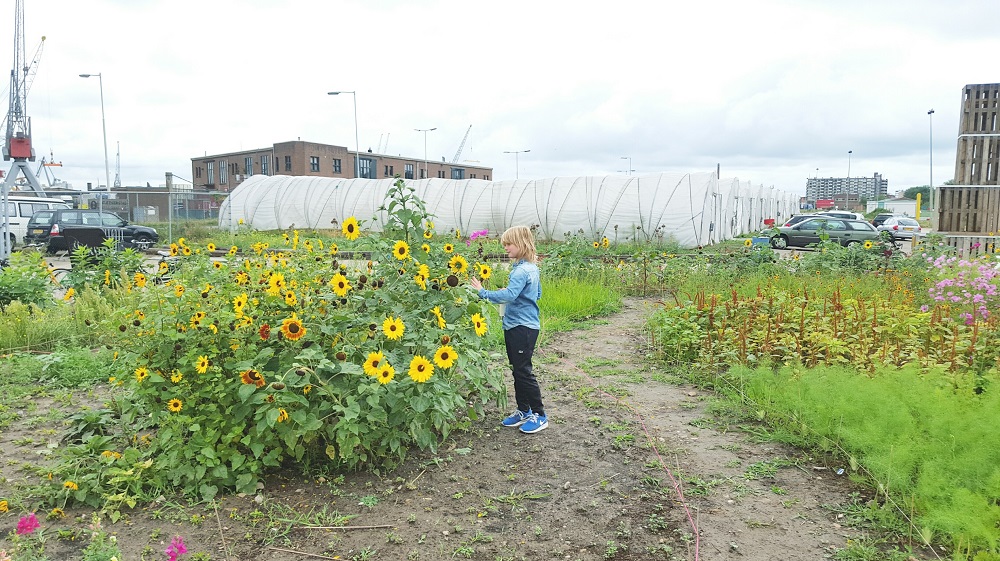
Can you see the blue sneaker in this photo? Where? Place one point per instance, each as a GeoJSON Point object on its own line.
{"type": "Point", "coordinates": [534, 423]}
{"type": "Point", "coordinates": [516, 419]}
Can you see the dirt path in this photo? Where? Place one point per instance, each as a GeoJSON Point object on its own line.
{"type": "Point", "coordinates": [749, 500]}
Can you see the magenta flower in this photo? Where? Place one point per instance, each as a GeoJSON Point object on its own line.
{"type": "Point", "coordinates": [176, 548]}
{"type": "Point", "coordinates": [27, 524]}
{"type": "Point", "coordinates": [476, 234]}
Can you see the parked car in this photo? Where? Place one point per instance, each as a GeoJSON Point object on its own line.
{"type": "Point", "coordinates": [20, 208]}
{"type": "Point", "coordinates": [807, 232]}
{"type": "Point", "coordinates": [847, 215]}
{"type": "Point", "coordinates": [796, 218]}
{"type": "Point", "coordinates": [900, 227]}
{"type": "Point", "coordinates": [48, 227]}
{"type": "Point", "coordinates": [880, 218]}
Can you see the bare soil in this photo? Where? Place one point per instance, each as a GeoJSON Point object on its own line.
{"type": "Point", "coordinates": [634, 465]}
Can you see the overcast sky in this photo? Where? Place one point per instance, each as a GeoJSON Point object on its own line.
{"type": "Point", "coordinates": [773, 91]}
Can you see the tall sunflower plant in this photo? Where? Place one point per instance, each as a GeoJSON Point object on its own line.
{"type": "Point", "coordinates": [235, 366]}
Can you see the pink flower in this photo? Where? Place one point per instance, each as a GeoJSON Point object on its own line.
{"type": "Point", "coordinates": [27, 524]}
{"type": "Point", "coordinates": [924, 308]}
{"type": "Point", "coordinates": [176, 548]}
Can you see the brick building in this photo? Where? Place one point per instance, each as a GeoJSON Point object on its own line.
{"type": "Point", "coordinates": [223, 172]}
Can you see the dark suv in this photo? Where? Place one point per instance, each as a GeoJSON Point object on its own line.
{"type": "Point", "coordinates": [51, 227]}
{"type": "Point", "coordinates": [880, 218]}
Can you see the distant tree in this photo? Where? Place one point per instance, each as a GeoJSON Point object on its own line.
{"type": "Point", "coordinates": [924, 190]}
{"type": "Point", "coordinates": [950, 182]}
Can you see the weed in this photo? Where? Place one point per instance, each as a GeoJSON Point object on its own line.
{"type": "Point", "coordinates": [464, 551]}
{"type": "Point", "coordinates": [369, 501]}
{"type": "Point", "coordinates": [656, 523]}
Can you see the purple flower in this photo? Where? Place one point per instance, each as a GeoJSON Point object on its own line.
{"type": "Point", "coordinates": [176, 548]}
{"type": "Point", "coordinates": [27, 524]}
{"type": "Point", "coordinates": [924, 308]}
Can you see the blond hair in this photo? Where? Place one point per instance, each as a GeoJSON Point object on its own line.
{"type": "Point", "coordinates": [522, 238]}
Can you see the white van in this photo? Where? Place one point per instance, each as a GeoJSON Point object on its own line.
{"type": "Point", "coordinates": [19, 211]}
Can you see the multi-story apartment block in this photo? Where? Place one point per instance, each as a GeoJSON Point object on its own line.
{"type": "Point", "coordinates": [223, 172]}
{"type": "Point", "coordinates": [870, 188]}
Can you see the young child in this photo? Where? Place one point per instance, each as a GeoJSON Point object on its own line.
{"type": "Point", "coordinates": [520, 327]}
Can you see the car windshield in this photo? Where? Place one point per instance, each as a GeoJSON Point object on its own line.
{"type": "Point", "coordinates": [907, 222]}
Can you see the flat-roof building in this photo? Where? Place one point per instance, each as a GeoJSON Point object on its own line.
{"type": "Point", "coordinates": [223, 172]}
{"type": "Point", "coordinates": [869, 188]}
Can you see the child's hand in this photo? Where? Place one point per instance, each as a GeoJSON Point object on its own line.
{"type": "Point", "coordinates": [475, 283]}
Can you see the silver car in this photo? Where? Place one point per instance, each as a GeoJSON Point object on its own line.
{"type": "Point", "coordinates": [900, 227]}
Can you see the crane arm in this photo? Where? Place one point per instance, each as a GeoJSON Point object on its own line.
{"type": "Point", "coordinates": [462, 145]}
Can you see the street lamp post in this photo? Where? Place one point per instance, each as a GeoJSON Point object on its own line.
{"type": "Point", "coordinates": [425, 131]}
{"type": "Point", "coordinates": [629, 170]}
{"type": "Point", "coordinates": [517, 165]}
{"type": "Point", "coordinates": [357, 147]}
{"type": "Point", "coordinates": [930, 124]}
{"type": "Point", "coordinates": [849, 152]}
{"type": "Point", "coordinates": [104, 129]}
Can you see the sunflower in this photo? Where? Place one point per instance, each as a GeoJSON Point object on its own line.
{"type": "Point", "coordinates": [868, 244]}
{"type": "Point", "coordinates": [448, 248]}
{"type": "Point", "coordinates": [55, 514]}
{"type": "Point", "coordinates": [292, 328]}
{"type": "Point", "coordinates": [350, 228]}
{"type": "Point", "coordinates": [307, 389]}
{"type": "Point", "coordinates": [253, 377]}
{"type": "Point", "coordinates": [440, 318]}
{"type": "Point", "coordinates": [179, 290]}
{"type": "Point", "coordinates": [290, 298]}
{"type": "Point", "coordinates": [421, 281]}
{"type": "Point", "coordinates": [421, 369]}
{"type": "Point", "coordinates": [69, 294]}
{"type": "Point", "coordinates": [141, 374]}
{"type": "Point", "coordinates": [333, 249]}
{"type": "Point", "coordinates": [282, 416]}
{"type": "Point", "coordinates": [265, 332]}
{"type": "Point", "coordinates": [385, 373]}
{"type": "Point", "coordinates": [240, 301]}
{"type": "Point", "coordinates": [71, 486]}
{"type": "Point", "coordinates": [186, 251]}
{"type": "Point", "coordinates": [202, 364]}
{"type": "Point", "coordinates": [425, 247]}
{"type": "Point", "coordinates": [401, 250]}
{"type": "Point", "coordinates": [479, 323]}
{"type": "Point", "coordinates": [140, 280]}
{"type": "Point", "coordinates": [458, 264]}
{"type": "Point", "coordinates": [485, 272]}
{"type": "Point", "coordinates": [428, 234]}
{"type": "Point", "coordinates": [372, 363]}
{"type": "Point", "coordinates": [605, 242]}
{"type": "Point", "coordinates": [111, 454]}
{"type": "Point", "coordinates": [445, 356]}
{"type": "Point", "coordinates": [747, 242]}
{"type": "Point", "coordinates": [340, 285]}
{"type": "Point", "coordinates": [393, 328]}
{"type": "Point", "coordinates": [176, 376]}
{"type": "Point", "coordinates": [217, 264]}
{"type": "Point", "coordinates": [174, 405]}
{"type": "Point", "coordinates": [4, 506]}
{"type": "Point", "coordinates": [232, 251]}
{"type": "Point", "coordinates": [242, 278]}
{"type": "Point", "coordinates": [210, 246]}
{"type": "Point", "coordinates": [174, 250]}
{"type": "Point", "coordinates": [597, 245]}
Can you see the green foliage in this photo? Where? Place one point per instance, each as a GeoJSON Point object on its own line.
{"type": "Point", "coordinates": [405, 212]}
{"type": "Point", "coordinates": [26, 279]}
{"type": "Point", "coordinates": [104, 265]}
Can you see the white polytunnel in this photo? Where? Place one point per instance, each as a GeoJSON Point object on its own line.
{"type": "Point", "coordinates": [694, 209]}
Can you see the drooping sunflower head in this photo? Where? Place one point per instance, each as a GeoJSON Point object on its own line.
{"type": "Point", "coordinates": [421, 369]}
{"type": "Point", "coordinates": [178, 290]}
{"type": "Point", "coordinates": [350, 228]}
{"type": "Point", "coordinates": [445, 356]}
{"type": "Point", "coordinates": [393, 328]}
{"type": "Point", "coordinates": [282, 416]}
{"type": "Point", "coordinates": [140, 280]}
{"type": "Point", "coordinates": [253, 377]}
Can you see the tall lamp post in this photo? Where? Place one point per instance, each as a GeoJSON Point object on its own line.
{"type": "Point", "coordinates": [629, 170]}
{"type": "Point", "coordinates": [425, 131]}
{"type": "Point", "coordinates": [104, 129]}
{"type": "Point", "coordinates": [517, 165]}
{"type": "Point", "coordinates": [357, 147]}
{"type": "Point", "coordinates": [930, 124]}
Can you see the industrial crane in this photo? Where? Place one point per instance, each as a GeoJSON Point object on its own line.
{"type": "Point", "coordinates": [462, 145]}
{"type": "Point", "coordinates": [17, 136]}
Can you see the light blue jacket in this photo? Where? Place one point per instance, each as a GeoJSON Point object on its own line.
{"type": "Point", "coordinates": [523, 291]}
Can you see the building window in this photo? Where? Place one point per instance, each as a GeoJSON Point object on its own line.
{"type": "Point", "coordinates": [236, 168]}
{"type": "Point", "coordinates": [248, 165]}
{"type": "Point", "coordinates": [408, 171]}
{"type": "Point", "coordinates": [197, 172]}
{"type": "Point", "coordinates": [313, 163]}
{"type": "Point", "coordinates": [391, 172]}
{"type": "Point", "coordinates": [486, 177]}
{"type": "Point", "coordinates": [387, 171]}
{"type": "Point", "coordinates": [457, 173]}
{"type": "Point", "coordinates": [441, 174]}
{"type": "Point", "coordinates": [365, 170]}
{"type": "Point", "coordinates": [211, 173]}
{"type": "Point", "coordinates": [265, 166]}
{"type": "Point", "coordinates": [223, 172]}
{"type": "Point", "coordinates": [423, 173]}
{"type": "Point", "coordinates": [336, 165]}
{"type": "Point", "coordinates": [288, 163]}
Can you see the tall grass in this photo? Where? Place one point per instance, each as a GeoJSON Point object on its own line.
{"type": "Point", "coordinates": [931, 449]}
